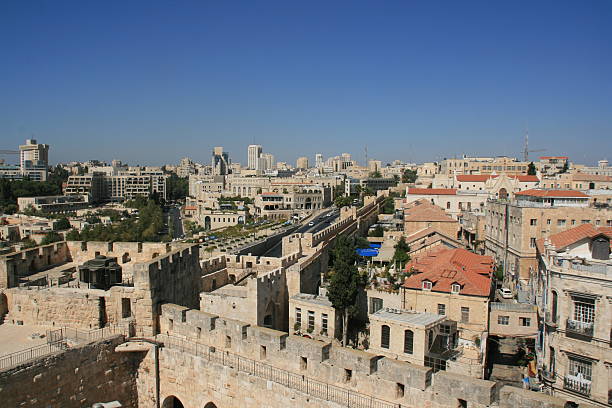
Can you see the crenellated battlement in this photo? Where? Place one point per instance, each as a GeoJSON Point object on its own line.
{"type": "Point", "coordinates": [401, 383]}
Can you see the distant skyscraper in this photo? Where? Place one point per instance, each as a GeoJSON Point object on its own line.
{"type": "Point", "coordinates": [220, 162]}
{"type": "Point", "coordinates": [302, 163]}
{"type": "Point", "coordinates": [34, 160]}
{"type": "Point", "coordinates": [318, 160]}
{"type": "Point", "coordinates": [253, 155]}
{"type": "Point", "coordinates": [266, 162]}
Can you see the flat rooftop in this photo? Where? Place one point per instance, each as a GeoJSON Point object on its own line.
{"type": "Point", "coordinates": [314, 299]}
{"type": "Point", "coordinates": [16, 338]}
{"type": "Point", "coordinates": [420, 319]}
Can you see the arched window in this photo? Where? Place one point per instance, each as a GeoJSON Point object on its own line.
{"type": "Point", "coordinates": [385, 334]}
{"type": "Point", "coordinates": [408, 341]}
{"type": "Point", "coordinates": [554, 307]}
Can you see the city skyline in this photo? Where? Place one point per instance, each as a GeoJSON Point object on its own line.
{"type": "Point", "coordinates": [416, 82]}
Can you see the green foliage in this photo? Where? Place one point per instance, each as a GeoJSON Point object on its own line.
{"type": "Point", "coordinates": [73, 235]}
{"type": "Point", "coordinates": [361, 242]}
{"type": "Point", "coordinates": [10, 190]}
{"type": "Point", "coordinates": [345, 281]}
{"type": "Point", "coordinates": [28, 243]}
{"type": "Point", "coordinates": [409, 176]}
{"type": "Point", "coordinates": [62, 224]}
{"type": "Point", "coordinates": [375, 174]}
{"type": "Point", "coordinates": [531, 169]}
{"type": "Point", "coordinates": [400, 256]}
{"type": "Point", "coordinates": [499, 273]}
{"type": "Point", "coordinates": [377, 232]}
{"type": "Point", "coordinates": [342, 201]}
{"type": "Point", "coordinates": [51, 237]}
{"type": "Point", "coordinates": [388, 206]}
{"type": "Point", "coordinates": [177, 188]}
{"type": "Point", "coordinates": [246, 200]}
{"type": "Point", "coordinates": [144, 228]}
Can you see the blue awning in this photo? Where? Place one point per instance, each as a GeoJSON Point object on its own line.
{"type": "Point", "coordinates": [366, 252]}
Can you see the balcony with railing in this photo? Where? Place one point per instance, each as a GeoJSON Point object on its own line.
{"type": "Point", "coordinates": [577, 384]}
{"type": "Point", "coordinates": [579, 327]}
{"type": "Point", "coordinates": [550, 319]}
{"type": "Point", "coordinates": [582, 265]}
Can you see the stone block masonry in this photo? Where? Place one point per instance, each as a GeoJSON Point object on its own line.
{"type": "Point", "coordinates": [78, 377]}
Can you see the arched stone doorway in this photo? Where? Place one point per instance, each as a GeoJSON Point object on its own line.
{"type": "Point", "coordinates": [210, 405]}
{"type": "Point", "coordinates": [172, 402]}
{"type": "Point", "coordinates": [207, 223]}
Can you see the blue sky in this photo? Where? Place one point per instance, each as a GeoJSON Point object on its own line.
{"type": "Point", "coordinates": [152, 81]}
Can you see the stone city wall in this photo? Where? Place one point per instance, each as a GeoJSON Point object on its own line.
{"type": "Point", "coordinates": [172, 278]}
{"type": "Point", "coordinates": [29, 261]}
{"type": "Point", "coordinates": [54, 307]}
{"type": "Point", "coordinates": [77, 377]}
{"type": "Point", "coordinates": [400, 383]}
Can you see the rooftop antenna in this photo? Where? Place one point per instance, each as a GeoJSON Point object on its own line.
{"type": "Point", "coordinates": [526, 147]}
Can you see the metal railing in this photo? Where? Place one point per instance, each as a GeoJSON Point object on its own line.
{"type": "Point", "coordinates": [578, 327]}
{"type": "Point", "coordinates": [573, 383]}
{"type": "Point", "coordinates": [298, 382]}
{"type": "Point", "coordinates": [20, 357]}
{"type": "Point", "coordinates": [57, 340]}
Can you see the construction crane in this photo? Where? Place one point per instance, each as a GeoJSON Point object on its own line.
{"type": "Point", "coordinates": [526, 150]}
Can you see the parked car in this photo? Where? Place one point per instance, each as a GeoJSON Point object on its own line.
{"type": "Point", "coordinates": [311, 224]}
{"type": "Point", "coordinates": [505, 293]}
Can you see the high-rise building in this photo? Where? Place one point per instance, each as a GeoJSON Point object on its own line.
{"type": "Point", "coordinates": [34, 160]}
{"type": "Point", "coordinates": [302, 163]}
{"type": "Point", "coordinates": [253, 154]}
{"type": "Point", "coordinates": [220, 162]}
{"type": "Point", "coordinates": [318, 160]}
{"type": "Point", "coordinates": [266, 162]}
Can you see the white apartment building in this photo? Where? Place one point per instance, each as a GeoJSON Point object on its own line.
{"type": "Point", "coordinates": [253, 154]}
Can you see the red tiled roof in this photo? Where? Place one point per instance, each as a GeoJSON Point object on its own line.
{"type": "Point", "coordinates": [190, 208]}
{"type": "Point", "coordinates": [427, 213]}
{"type": "Point", "coordinates": [475, 178]}
{"type": "Point", "coordinates": [480, 178]}
{"type": "Point", "coordinates": [552, 193]}
{"type": "Point", "coordinates": [526, 178]}
{"type": "Point", "coordinates": [432, 191]}
{"type": "Point", "coordinates": [573, 235]}
{"type": "Point", "coordinates": [426, 233]}
{"type": "Point", "coordinates": [443, 267]}
{"type": "Point", "coordinates": [553, 157]}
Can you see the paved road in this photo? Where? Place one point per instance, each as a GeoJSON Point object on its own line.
{"type": "Point", "coordinates": [321, 222]}
{"type": "Point", "coordinates": [175, 214]}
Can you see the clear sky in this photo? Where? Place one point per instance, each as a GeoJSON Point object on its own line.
{"type": "Point", "coordinates": [152, 81]}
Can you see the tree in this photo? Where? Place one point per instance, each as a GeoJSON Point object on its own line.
{"type": "Point", "coordinates": [28, 243]}
{"type": "Point", "coordinates": [177, 188]}
{"type": "Point", "coordinates": [400, 256]}
{"type": "Point", "coordinates": [73, 235]}
{"type": "Point", "coordinates": [344, 282]}
{"type": "Point", "coordinates": [376, 174]}
{"type": "Point", "coordinates": [531, 169]}
{"type": "Point", "coordinates": [377, 232]}
{"type": "Point", "coordinates": [50, 238]}
{"type": "Point", "coordinates": [62, 224]}
{"type": "Point", "coordinates": [409, 176]}
{"type": "Point", "coordinates": [388, 206]}
{"type": "Point", "coordinates": [341, 201]}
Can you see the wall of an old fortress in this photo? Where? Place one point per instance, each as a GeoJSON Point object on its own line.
{"type": "Point", "coordinates": [75, 378]}
{"type": "Point", "coordinates": [172, 278]}
{"type": "Point", "coordinates": [200, 381]}
{"type": "Point", "coordinates": [28, 261]}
